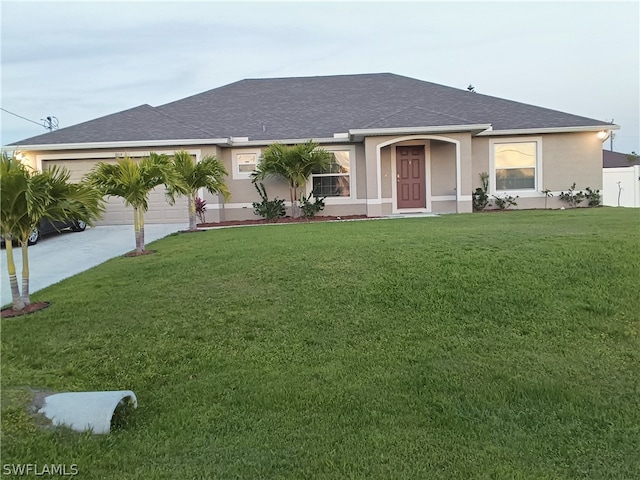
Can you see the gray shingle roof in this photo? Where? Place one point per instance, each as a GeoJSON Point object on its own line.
{"type": "Point", "coordinates": [616, 159]}
{"type": "Point", "coordinates": [139, 123]}
{"type": "Point", "coordinates": [318, 107]}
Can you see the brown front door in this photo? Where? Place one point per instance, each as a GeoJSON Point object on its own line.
{"type": "Point", "coordinates": [410, 177]}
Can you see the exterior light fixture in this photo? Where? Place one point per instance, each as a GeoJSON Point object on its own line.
{"type": "Point", "coordinates": [603, 135]}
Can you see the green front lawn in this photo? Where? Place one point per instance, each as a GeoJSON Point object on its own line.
{"type": "Point", "coordinates": [497, 345]}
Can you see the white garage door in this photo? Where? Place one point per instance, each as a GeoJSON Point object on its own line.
{"type": "Point", "coordinates": [116, 212]}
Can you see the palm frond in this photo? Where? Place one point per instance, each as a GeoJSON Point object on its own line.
{"type": "Point", "coordinates": [294, 163]}
{"type": "Point", "coordinates": [189, 176]}
{"type": "Point", "coordinates": [131, 180]}
{"type": "Point", "coordinates": [30, 196]}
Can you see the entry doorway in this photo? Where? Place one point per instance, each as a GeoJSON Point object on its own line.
{"type": "Point", "coordinates": [410, 177]}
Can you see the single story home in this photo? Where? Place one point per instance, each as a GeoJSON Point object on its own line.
{"type": "Point", "coordinates": [400, 145]}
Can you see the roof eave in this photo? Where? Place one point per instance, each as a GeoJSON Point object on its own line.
{"type": "Point", "coordinates": [290, 141]}
{"type": "Point", "coordinates": [129, 144]}
{"type": "Point", "coordinates": [358, 134]}
{"type": "Point", "coordinates": [529, 131]}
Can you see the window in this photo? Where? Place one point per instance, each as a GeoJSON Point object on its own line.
{"type": "Point", "coordinates": [245, 163]}
{"type": "Point", "coordinates": [515, 165]}
{"type": "Point", "coordinates": [334, 181]}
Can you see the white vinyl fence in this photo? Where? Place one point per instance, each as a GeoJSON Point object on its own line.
{"type": "Point", "coordinates": [621, 186]}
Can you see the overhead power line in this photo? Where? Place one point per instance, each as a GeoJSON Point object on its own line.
{"type": "Point", "coordinates": [24, 118]}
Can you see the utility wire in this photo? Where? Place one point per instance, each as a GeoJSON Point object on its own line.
{"type": "Point", "coordinates": [20, 116]}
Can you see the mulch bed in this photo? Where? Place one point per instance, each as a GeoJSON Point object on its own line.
{"type": "Point", "coordinates": [262, 221]}
{"type": "Point", "coordinates": [31, 308]}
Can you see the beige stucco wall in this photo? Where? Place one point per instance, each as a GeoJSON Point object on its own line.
{"type": "Point", "coordinates": [566, 158]}
{"type": "Point", "coordinates": [243, 192]}
{"type": "Point", "coordinates": [480, 154]}
{"type": "Point", "coordinates": [443, 168]}
{"type": "Point", "coordinates": [571, 157]}
{"type": "Point", "coordinates": [441, 173]}
{"type": "Point", "coordinates": [239, 206]}
{"type": "Point", "coordinates": [361, 173]}
{"type": "Point", "coordinates": [385, 167]}
{"type": "Point", "coordinates": [445, 206]}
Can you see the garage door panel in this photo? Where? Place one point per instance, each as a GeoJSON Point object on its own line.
{"type": "Point", "coordinates": [161, 212]}
{"type": "Point", "coordinates": [77, 168]}
{"type": "Point", "coordinates": [116, 212]}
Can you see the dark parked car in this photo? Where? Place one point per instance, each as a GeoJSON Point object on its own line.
{"type": "Point", "coordinates": [47, 227]}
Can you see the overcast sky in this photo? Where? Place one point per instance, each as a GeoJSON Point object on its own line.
{"type": "Point", "coordinates": [81, 60]}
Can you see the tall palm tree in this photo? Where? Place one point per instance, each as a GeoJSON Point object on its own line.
{"type": "Point", "coordinates": [29, 197]}
{"type": "Point", "coordinates": [13, 209]}
{"type": "Point", "coordinates": [208, 173]}
{"type": "Point", "coordinates": [294, 164]}
{"type": "Point", "coordinates": [133, 181]}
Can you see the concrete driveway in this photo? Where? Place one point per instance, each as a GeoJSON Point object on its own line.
{"type": "Point", "coordinates": [57, 257]}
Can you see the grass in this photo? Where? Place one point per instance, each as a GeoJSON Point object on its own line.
{"type": "Point", "coordinates": [497, 346]}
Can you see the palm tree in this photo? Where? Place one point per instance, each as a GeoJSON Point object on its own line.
{"type": "Point", "coordinates": [133, 181]}
{"type": "Point", "coordinates": [294, 164]}
{"type": "Point", "coordinates": [208, 173]}
{"type": "Point", "coordinates": [29, 197]}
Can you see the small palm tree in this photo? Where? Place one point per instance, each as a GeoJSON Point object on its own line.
{"type": "Point", "coordinates": [191, 176]}
{"type": "Point", "coordinates": [294, 164]}
{"type": "Point", "coordinates": [29, 197]}
{"type": "Point", "coordinates": [133, 181]}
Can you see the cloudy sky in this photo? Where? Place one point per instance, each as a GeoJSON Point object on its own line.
{"type": "Point", "coordinates": [85, 59]}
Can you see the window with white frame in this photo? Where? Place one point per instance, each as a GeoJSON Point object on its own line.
{"type": "Point", "coordinates": [334, 181]}
{"type": "Point", "coordinates": [245, 163]}
{"type": "Point", "coordinates": [515, 165]}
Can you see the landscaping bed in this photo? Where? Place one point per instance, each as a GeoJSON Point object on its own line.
{"type": "Point", "coordinates": [262, 221]}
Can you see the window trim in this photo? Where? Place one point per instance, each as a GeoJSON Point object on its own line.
{"type": "Point", "coordinates": [538, 166]}
{"type": "Point", "coordinates": [236, 174]}
{"type": "Point", "coordinates": [352, 175]}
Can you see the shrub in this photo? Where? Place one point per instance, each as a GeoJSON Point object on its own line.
{"type": "Point", "coordinates": [593, 197]}
{"type": "Point", "coordinates": [505, 202]}
{"type": "Point", "coordinates": [201, 208]}
{"type": "Point", "coordinates": [480, 196]}
{"type": "Point", "coordinates": [572, 197]}
{"type": "Point", "coordinates": [309, 208]}
{"type": "Point", "coordinates": [269, 209]}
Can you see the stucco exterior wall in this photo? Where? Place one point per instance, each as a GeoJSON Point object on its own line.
{"type": "Point", "coordinates": [385, 171]}
{"type": "Point", "coordinates": [361, 173]}
{"type": "Point", "coordinates": [444, 206]}
{"type": "Point", "coordinates": [443, 168]}
{"type": "Point", "coordinates": [564, 158]}
{"type": "Point", "coordinates": [239, 206]}
{"type": "Point", "coordinates": [377, 204]}
{"type": "Point", "coordinates": [571, 157]}
{"type": "Point", "coordinates": [480, 163]}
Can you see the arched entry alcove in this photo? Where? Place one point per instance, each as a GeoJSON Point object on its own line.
{"type": "Point", "coordinates": [407, 177]}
